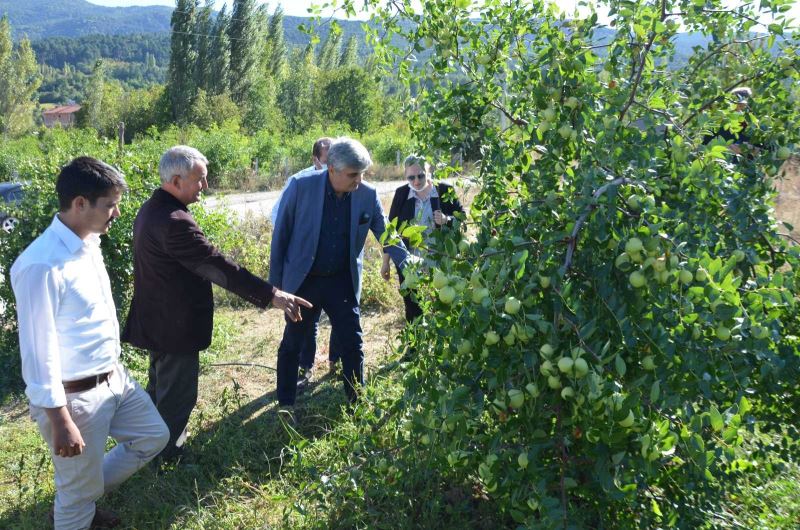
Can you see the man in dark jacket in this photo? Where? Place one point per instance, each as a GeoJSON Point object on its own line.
{"type": "Point", "coordinates": [171, 313]}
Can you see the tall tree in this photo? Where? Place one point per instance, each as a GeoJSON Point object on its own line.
{"type": "Point", "coordinates": [296, 98]}
{"type": "Point", "coordinates": [203, 34]}
{"type": "Point", "coordinates": [19, 79]}
{"type": "Point", "coordinates": [220, 54]}
{"type": "Point", "coordinates": [92, 104]}
{"type": "Point", "coordinates": [350, 96]}
{"type": "Point", "coordinates": [244, 37]}
{"type": "Point", "coordinates": [349, 55]}
{"type": "Point", "coordinates": [275, 45]}
{"type": "Point", "coordinates": [181, 86]}
{"type": "Point", "coordinates": [328, 56]}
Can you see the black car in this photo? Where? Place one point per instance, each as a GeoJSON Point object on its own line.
{"type": "Point", "coordinates": [10, 193]}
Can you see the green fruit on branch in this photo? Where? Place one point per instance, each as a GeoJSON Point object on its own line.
{"type": "Point", "coordinates": [464, 347]}
{"type": "Point", "coordinates": [637, 279]}
{"type": "Point", "coordinates": [686, 277]}
{"type": "Point", "coordinates": [633, 246]}
{"type": "Point", "coordinates": [546, 368]}
{"type": "Point", "coordinates": [547, 350]}
{"type": "Point", "coordinates": [440, 279]}
{"type": "Point", "coordinates": [479, 294]}
{"type": "Point", "coordinates": [628, 420]}
{"type": "Point", "coordinates": [581, 367]}
{"type": "Point", "coordinates": [722, 332]}
{"type": "Point", "coordinates": [522, 460]}
{"type": "Point", "coordinates": [554, 382]}
{"type": "Point", "coordinates": [532, 389]}
{"type": "Point", "coordinates": [447, 294]}
{"type": "Point", "coordinates": [512, 305]}
{"type": "Point", "coordinates": [515, 398]}
{"type": "Point", "coordinates": [567, 392]}
{"type": "Point", "coordinates": [491, 337]}
{"type": "Point", "coordinates": [648, 363]}
{"type": "Point", "coordinates": [565, 365]}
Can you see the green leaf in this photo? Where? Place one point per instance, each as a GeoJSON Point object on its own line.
{"type": "Point", "coordinates": [717, 423]}
{"type": "Point", "coordinates": [619, 365]}
{"type": "Point", "coordinates": [744, 406]}
{"type": "Point", "coordinates": [655, 390]}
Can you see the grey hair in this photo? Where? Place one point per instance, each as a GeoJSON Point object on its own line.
{"type": "Point", "coordinates": [179, 160]}
{"type": "Point", "coordinates": [415, 159]}
{"type": "Point", "coordinates": [742, 93]}
{"type": "Point", "coordinates": [346, 153]}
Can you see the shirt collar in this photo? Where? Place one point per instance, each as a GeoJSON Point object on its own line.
{"type": "Point", "coordinates": [412, 193]}
{"type": "Point", "coordinates": [329, 188]}
{"type": "Point", "coordinates": [70, 238]}
{"type": "Point", "coordinates": [165, 196]}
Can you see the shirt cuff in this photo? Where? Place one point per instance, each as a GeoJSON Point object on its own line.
{"type": "Point", "coordinates": [46, 396]}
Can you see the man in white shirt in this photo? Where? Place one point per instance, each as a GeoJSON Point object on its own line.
{"type": "Point", "coordinates": [79, 391]}
{"type": "Point", "coordinates": [319, 159]}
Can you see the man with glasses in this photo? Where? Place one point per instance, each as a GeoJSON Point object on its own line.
{"type": "Point", "coordinates": [317, 253]}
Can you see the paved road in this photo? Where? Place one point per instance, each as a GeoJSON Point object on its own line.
{"type": "Point", "coordinates": [260, 203]}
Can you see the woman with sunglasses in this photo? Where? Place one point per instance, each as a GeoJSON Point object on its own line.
{"type": "Point", "coordinates": [420, 202]}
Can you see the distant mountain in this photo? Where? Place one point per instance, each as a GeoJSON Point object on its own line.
{"type": "Point", "coordinates": [38, 19]}
{"type": "Point", "coordinates": [42, 19]}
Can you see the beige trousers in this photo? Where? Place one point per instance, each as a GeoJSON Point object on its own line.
{"type": "Point", "coordinates": [118, 408]}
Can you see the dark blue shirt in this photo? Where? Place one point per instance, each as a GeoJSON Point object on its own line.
{"type": "Point", "coordinates": [333, 250]}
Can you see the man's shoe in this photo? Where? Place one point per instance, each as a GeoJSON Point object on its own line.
{"type": "Point", "coordinates": [105, 519]}
{"type": "Point", "coordinates": [287, 415]}
{"type": "Point", "coordinates": [303, 378]}
{"type": "Point", "coordinates": [102, 519]}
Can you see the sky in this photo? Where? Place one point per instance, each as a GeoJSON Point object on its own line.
{"type": "Point", "coordinates": [299, 8]}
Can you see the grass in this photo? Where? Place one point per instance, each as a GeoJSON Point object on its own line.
{"type": "Point", "coordinates": [248, 469]}
{"type": "Point", "coordinates": [232, 477]}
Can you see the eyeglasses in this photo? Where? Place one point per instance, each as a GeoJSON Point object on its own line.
{"type": "Point", "coordinates": [421, 176]}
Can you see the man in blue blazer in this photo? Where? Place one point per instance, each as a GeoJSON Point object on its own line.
{"type": "Point", "coordinates": [317, 253]}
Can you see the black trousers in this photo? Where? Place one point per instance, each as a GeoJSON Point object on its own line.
{"type": "Point", "coordinates": [334, 295]}
{"type": "Point", "coordinates": [172, 386]}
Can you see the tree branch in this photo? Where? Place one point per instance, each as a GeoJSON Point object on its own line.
{"type": "Point", "coordinates": [642, 61]}
{"type": "Point", "coordinates": [573, 238]}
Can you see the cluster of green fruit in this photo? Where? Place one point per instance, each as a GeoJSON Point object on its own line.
{"type": "Point", "coordinates": [647, 255]}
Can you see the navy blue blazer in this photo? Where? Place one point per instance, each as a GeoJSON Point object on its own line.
{"type": "Point", "coordinates": [296, 233]}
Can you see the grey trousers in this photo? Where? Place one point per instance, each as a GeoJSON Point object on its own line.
{"type": "Point", "coordinates": [172, 386]}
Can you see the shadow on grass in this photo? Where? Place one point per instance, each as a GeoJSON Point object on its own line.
{"type": "Point", "coordinates": [229, 460]}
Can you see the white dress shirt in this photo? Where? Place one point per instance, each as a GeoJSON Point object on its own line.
{"type": "Point", "coordinates": [68, 327]}
{"type": "Point", "coordinates": [423, 210]}
{"type": "Point", "coordinates": [302, 173]}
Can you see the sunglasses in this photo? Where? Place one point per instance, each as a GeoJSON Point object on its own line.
{"type": "Point", "coordinates": [421, 176]}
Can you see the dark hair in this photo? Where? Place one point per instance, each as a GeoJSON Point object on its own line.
{"type": "Point", "coordinates": [319, 145]}
{"type": "Point", "coordinates": [87, 177]}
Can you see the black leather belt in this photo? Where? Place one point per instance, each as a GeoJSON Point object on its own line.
{"type": "Point", "coordinates": [86, 383]}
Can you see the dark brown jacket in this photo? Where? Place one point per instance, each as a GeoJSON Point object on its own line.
{"type": "Point", "coordinates": [174, 264]}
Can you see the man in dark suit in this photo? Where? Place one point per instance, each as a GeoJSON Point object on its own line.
{"type": "Point", "coordinates": [172, 310]}
{"type": "Point", "coordinates": [318, 252]}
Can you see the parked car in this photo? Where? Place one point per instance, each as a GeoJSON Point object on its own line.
{"type": "Point", "coordinates": [10, 193]}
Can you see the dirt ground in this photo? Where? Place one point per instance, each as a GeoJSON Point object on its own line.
{"type": "Point", "coordinates": [787, 183]}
